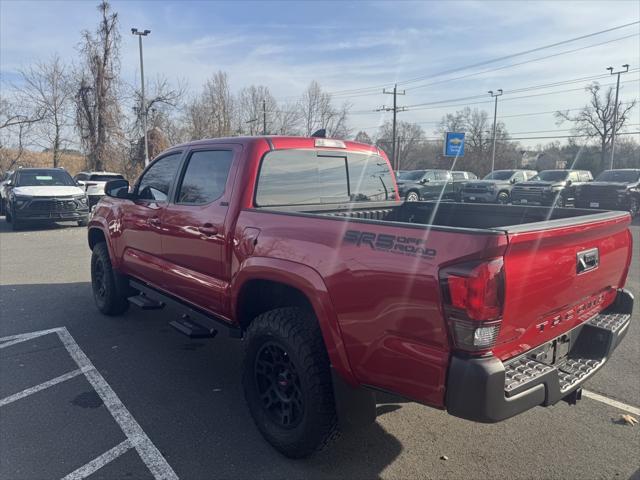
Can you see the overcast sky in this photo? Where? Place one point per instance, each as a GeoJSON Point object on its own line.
{"type": "Point", "coordinates": [285, 45]}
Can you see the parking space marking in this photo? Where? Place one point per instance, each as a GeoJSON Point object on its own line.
{"type": "Point", "coordinates": [136, 437]}
{"type": "Point", "coordinates": [148, 452]}
{"type": "Point", "coordinates": [38, 388]}
{"type": "Point", "coordinates": [97, 463]}
{"type": "Point", "coordinates": [23, 337]}
{"type": "Point", "coordinates": [611, 402]}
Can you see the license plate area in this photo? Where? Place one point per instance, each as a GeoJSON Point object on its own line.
{"type": "Point", "coordinates": [554, 352]}
{"type": "Point", "coordinates": [594, 204]}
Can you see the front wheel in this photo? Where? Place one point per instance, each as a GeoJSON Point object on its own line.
{"type": "Point", "coordinates": [503, 198]}
{"type": "Point", "coordinates": [287, 382]}
{"type": "Point", "coordinates": [634, 206]}
{"type": "Point", "coordinates": [110, 289]}
{"type": "Point", "coordinates": [413, 197]}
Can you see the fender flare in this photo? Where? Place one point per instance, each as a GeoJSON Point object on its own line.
{"type": "Point", "coordinates": [310, 283]}
{"type": "Point", "coordinates": [101, 225]}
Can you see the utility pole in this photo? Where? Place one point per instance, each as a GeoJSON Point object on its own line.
{"type": "Point", "coordinates": [143, 107]}
{"type": "Point", "coordinates": [395, 109]}
{"type": "Point", "coordinates": [264, 117]}
{"type": "Point", "coordinates": [615, 109]}
{"type": "Point", "coordinates": [495, 118]}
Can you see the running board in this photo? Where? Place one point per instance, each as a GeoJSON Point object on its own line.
{"type": "Point", "coordinates": [193, 322]}
{"type": "Point", "coordinates": [145, 303]}
{"type": "Point", "coordinates": [192, 330]}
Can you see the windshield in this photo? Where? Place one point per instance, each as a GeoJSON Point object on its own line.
{"type": "Point", "coordinates": [44, 178]}
{"type": "Point", "coordinates": [500, 175]}
{"type": "Point", "coordinates": [551, 176]}
{"type": "Point", "coordinates": [105, 178]}
{"type": "Point", "coordinates": [411, 175]}
{"type": "Point", "coordinates": [624, 176]}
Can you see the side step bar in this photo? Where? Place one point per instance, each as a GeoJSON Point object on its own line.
{"type": "Point", "coordinates": [193, 322]}
{"type": "Point", "coordinates": [145, 303]}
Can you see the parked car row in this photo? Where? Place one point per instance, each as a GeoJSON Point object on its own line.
{"type": "Point", "coordinates": [50, 195]}
{"type": "Point", "coordinates": [612, 190]}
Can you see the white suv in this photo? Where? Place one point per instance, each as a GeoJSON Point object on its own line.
{"type": "Point", "coordinates": [94, 182]}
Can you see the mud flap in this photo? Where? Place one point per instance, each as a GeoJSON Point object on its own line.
{"type": "Point", "coordinates": [355, 406]}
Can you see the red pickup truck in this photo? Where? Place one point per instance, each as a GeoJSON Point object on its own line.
{"type": "Point", "coordinates": [301, 247]}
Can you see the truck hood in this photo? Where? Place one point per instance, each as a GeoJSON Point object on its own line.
{"type": "Point", "coordinates": [48, 191]}
{"type": "Point", "coordinates": [616, 185]}
{"type": "Point", "coordinates": [541, 184]}
{"type": "Point", "coordinates": [486, 183]}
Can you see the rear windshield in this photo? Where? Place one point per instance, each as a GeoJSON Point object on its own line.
{"type": "Point", "coordinates": [306, 177]}
{"type": "Point", "coordinates": [500, 175]}
{"type": "Point", "coordinates": [551, 176]}
{"type": "Point", "coordinates": [105, 178]}
{"type": "Point", "coordinates": [43, 178]}
{"type": "Point", "coordinates": [411, 175]}
{"type": "Point", "coordinates": [624, 176]}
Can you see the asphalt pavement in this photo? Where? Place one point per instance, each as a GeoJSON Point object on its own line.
{"type": "Point", "coordinates": [175, 406]}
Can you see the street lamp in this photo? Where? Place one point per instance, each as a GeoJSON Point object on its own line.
{"type": "Point", "coordinates": [495, 116]}
{"type": "Point", "coordinates": [615, 109]}
{"type": "Point", "coordinates": [143, 109]}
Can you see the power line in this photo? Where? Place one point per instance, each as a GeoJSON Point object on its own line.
{"type": "Point", "coordinates": [366, 91]}
{"type": "Point", "coordinates": [494, 60]}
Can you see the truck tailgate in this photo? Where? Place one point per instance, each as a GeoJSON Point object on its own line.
{"type": "Point", "coordinates": [559, 276]}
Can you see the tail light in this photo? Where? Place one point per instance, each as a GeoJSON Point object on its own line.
{"type": "Point", "coordinates": [473, 295]}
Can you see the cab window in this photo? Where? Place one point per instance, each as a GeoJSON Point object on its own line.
{"type": "Point", "coordinates": [157, 180]}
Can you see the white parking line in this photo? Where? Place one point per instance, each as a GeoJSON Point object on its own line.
{"type": "Point", "coordinates": [136, 437]}
{"type": "Point", "coordinates": [148, 452]}
{"type": "Point", "coordinates": [97, 463]}
{"type": "Point", "coordinates": [38, 388]}
{"type": "Point", "coordinates": [611, 402]}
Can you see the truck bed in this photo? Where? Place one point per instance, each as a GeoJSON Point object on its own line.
{"type": "Point", "coordinates": [503, 218]}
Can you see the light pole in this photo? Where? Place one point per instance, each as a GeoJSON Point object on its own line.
{"type": "Point", "coordinates": [615, 109]}
{"type": "Point", "coordinates": [143, 107]}
{"type": "Point", "coordinates": [495, 117]}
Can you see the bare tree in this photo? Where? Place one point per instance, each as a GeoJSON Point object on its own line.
{"type": "Point", "coordinates": [255, 104]}
{"type": "Point", "coordinates": [286, 120]}
{"type": "Point", "coordinates": [15, 128]}
{"type": "Point", "coordinates": [363, 137]}
{"type": "Point", "coordinates": [318, 112]}
{"type": "Point", "coordinates": [409, 138]}
{"type": "Point", "coordinates": [96, 97]}
{"type": "Point", "coordinates": [211, 114]}
{"type": "Point", "coordinates": [596, 118]}
{"type": "Point", "coordinates": [46, 89]}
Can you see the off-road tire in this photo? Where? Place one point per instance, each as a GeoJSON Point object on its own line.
{"type": "Point", "coordinates": [412, 196]}
{"type": "Point", "coordinates": [297, 333]}
{"type": "Point", "coordinates": [110, 289]}
{"type": "Point", "coordinates": [503, 198]}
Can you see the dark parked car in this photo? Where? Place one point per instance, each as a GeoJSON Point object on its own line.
{"type": "Point", "coordinates": [496, 186]}
{"type": "Point", "coordinates": [612, 190]}
{"type": "Point", "coordinates": [416, 185]}
{"type": "Point", "coordinates": [550, 187]}
{"type": "Point", "coordinates": [44, 195]}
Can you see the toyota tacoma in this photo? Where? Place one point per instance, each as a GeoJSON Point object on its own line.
{"type": "Point", "coordinates": [301, 247]}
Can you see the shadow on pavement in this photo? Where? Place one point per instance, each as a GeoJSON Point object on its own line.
{"type": "Point", "coordinates": [185, 394]}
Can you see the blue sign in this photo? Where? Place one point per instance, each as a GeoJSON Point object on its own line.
{"type": "Point", "coordinates": [453, 144]}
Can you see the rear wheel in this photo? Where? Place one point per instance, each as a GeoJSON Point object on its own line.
{"type": "Point", "coordinates": [110, 289]}
{"type": "Point", "coordinates": [287, 382]}
{"type": "Point", "coordinates": [413, 197]}
{"type": "Point", "coordinates": [503, 198]}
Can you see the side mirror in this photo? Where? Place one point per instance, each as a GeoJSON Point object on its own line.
{"type": "Point", "coordinates": [118, 189]}
{"type": "Point", "coordinates": [513, 180]}
{"type": "Point", "coordinates": [424, 180]}
{"type": "Point", "coordinates": [569, 182]}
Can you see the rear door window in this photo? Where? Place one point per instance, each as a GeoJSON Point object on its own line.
{"type": "Point", "coordinates": [370, 178]}
{"type": "Point", "coordinates": [585, 176]}
{"type": "Point", "coordinates": [205, 177]}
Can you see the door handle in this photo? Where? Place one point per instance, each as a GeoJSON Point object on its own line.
{"type": "Point", "coordinates": [154, 222]}
{"type": "Point", "coordinates": [208, 229]}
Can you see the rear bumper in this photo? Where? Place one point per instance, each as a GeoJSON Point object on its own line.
{"type": "Point", "coordinates": [487, 390]}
